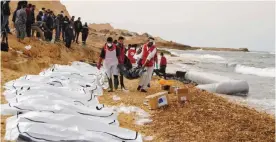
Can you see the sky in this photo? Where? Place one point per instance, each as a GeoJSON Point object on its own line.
{"type": "Point", "coordinates": [227, 24]}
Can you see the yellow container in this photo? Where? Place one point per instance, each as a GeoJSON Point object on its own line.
{"type": "Point", "coordinates": [165, 82]}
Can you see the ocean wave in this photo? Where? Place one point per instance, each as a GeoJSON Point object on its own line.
{"type": "Point", "coordinates": [205, 58]}
{"type": "Point", "coordinates": [231, 64]}
{"type": "Point", "coordinates": [174, 53]}
{"type": "Point", "coordinates": [201, 57]}
{"type": "Point", "coordinates": [265, 72]}
{"type": "Point", "coordinates": [260, 52]}
{"type": "Point", "coordinates": [208, 56]}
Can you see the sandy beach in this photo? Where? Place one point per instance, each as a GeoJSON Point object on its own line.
{"type": "Point", "coordinates": [206, 117]}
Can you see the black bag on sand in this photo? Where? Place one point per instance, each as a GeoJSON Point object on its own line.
{"type": "Point", "coordinates": [132, 73]}
{"type": "Point", "coordinates": [158, 72]}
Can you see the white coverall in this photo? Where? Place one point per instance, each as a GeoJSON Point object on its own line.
{"type": "Point", "coordinates": [110, 63]}
{"type": "Point", "coordinates": [146, 77]}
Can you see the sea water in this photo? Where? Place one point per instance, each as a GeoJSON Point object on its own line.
{"type": "Point", "coordinates": [257, 68]}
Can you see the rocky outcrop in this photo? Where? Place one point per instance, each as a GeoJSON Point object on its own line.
{"type": "Point", "coordinates": [223, 49]}
{"type": "Point", "coordinates": [146, 35]}
{"type": "Point", "coordinates": [244, 49]}
{"type": "Point", "coordinates": [99, 27]}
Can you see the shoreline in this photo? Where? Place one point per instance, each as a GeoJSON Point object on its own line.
{"type": "Point", "coordinates": [172, 68]}
{"type": "Point", "coordinates": [204, 48]}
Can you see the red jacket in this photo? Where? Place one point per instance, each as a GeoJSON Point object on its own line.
{"type": "Point", "coordinates": [145, 55]}
{"type": "Point", "coordinates": [131, 53]}
{"type": "Point", "coordinates": [110, 49]}
{"type": "Point", "coordinates": [163, 61]}
{"type": "Point", "coordinates": [28, 10]}
{"type": "Point", "coordinates": [122, 53]}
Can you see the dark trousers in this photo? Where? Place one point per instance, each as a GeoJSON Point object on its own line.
{"type": "Point", "coordinates": [122, 81]}
{"type": "Point", "coordinates": [63, 33]}
{"type": "Point", "coordinates": [28, 29]}
{"type": "Point", "coordinates": [163, 70]}
{"type": "Point", "coordinates": [84, 37]}
{"type": "Point", "coordinates": [48, 35]}
{"type": "Point", "coordinates": [74, 36]}
{"type": "Point", "coordinates": [51, 35]}
{"type": "Point", "coordinates": [77, 33]}
{"type": "Point", "coordinates": [7, 27]}
{"type": "Point", "coordinates": [68, 41]}
{"type": "Point", "coordinates": [37, 34]}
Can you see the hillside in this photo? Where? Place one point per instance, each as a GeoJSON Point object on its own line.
{"type": "Point", "coordinates": [99, 32]}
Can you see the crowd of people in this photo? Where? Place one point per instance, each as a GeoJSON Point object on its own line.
{"type": "Point", "coordinates": [114, 53]}
{"type": "Point", "coordinates": [45, 24]}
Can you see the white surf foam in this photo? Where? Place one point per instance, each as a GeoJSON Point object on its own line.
{"type": "Point", "coordinates": [201, 57]}
{"type": "Point", "coordinates": [266, 72]}
{"type": "Point", "coordinates": [194, 56]}
{"type": "Point", "coordinates": [208, 56]}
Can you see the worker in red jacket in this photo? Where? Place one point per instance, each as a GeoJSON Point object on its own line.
{"type": "Point", "coordinates": [121, 47]}
{"type": "Point", "coordinates": [130, 54]}
{"type": "Point", "coordinates": [110, 55]}
{"type": "Point", "coordinates": [155, 61]}
{"type": "Point", "coordinates": [163, 64]}
{"type": "Point", "coordinates": [147, 55]}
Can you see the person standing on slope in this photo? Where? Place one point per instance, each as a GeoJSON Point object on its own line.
{"type": "Point", "coordinates": [29, 20]}
{"type": "Point", "coordinates": [84, 32]}
{"type": "Point", "coordinates": [57, 27]}
{"type": "Point", "coordinates": [5, 13]}
{"type": "Point", "coordinates": [78, 28]}
{"type": "Point", "coordinates": [72, 23]}
{"type": "Point", "coordinates": [20, 23]}
{"type": "Point", "coordinates": [110, 58]}
{"type": "Point", "coordinates": [69, 35]}
{"type": "Point", "coordinates": [147, 60]}
{"type": "Point", "coordinates": [64, 27]}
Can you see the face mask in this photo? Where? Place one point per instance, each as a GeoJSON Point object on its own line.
{"type": "Point", "coordinates": [109, 44]}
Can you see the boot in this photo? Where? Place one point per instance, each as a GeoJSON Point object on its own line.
{"type": "Point", "coordinates": [139, 88]}
{"type": "Point", "coordinates": [143, 90]}
{"type": "Point", "coordinates": [122, 82]}
{"type": "Point", "coordinates": [110, 85]}
{"type": "Point", "coordinates": [116, 82]}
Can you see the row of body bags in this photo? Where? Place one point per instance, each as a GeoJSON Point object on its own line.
{"type": "Point", "coordinates": [60, 104]}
